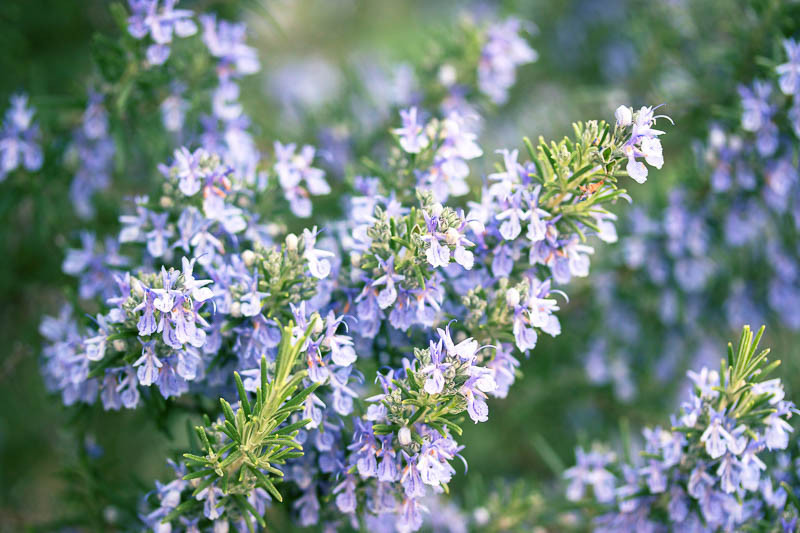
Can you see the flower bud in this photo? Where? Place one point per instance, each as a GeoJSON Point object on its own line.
{"type": "Point", "coordinates": [624, 116]}
{"type": "Point", "coordinates": [452, 236]}
{"type": "Point", "coordinates": [318, 325]}
{"type": "Point", "coordinates": [249, 257]}
{"type": "Point", "coordinates": [716, 138]}
{"type": "Point", "coordinates": [136, 287]}
{"type": "Point", "coordinates": [481, 516]}
{"type": "Point", "coordinates": [291, 242]}
{"type": "Point", "coordinates": [165, 202]}
{"type": "Point", "coordinates": [355, 259]}
{"type": "Point", "coordinates": [447, 75]}
{"type": "Point", "coordinates": [119, 345]}
{"type": "Point", "coordinates": [437, 209]}
{"type": "Point", "coordinates": [236, 309]}
{"type": "Point", "coordinates": [404, 436]}
{"type": "Point", "coordinates": [512, 297]}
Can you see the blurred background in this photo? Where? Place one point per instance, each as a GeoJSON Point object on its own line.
{"type": "Point", "coordinates": [667, 296]}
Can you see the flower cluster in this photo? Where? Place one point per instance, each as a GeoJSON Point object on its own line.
{"type": "Point", "coordinates": [404, 441]}
{"type": "Point", "coordinates": [245, 445]}
{"type": "Point", "coordinates": [433, 283]}
{"type": "Point", "coordinates": [160, 21]}
{"type": "Point", "coordinates": [182, 320]}
{"type": "Point", "coordinates": [643, 141]}
{"type": "Point", "coordinates": [402, 447]}
{"type": "Point", "coordinates": [708, 471]}
{"type": "Point", "coordinates": [91, 153]}
{"type": "Point", "coordinates": [298, 178]}
{"type": "Point", "coordinates": [502, 54]}
{"type": "Point", "coordinates": [679, 254]}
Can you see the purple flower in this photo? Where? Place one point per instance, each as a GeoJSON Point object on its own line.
{"type": "Point", "coordinates": [507, 181]}
{"type": "Point", "coordinates": [729, 472]}
{"type": "Point", "coordinates": [149, 364]}
{"type": "Point", "coordinates": [410, 518]}
{"type": "Point", "coordinates": [346, 495]}
{"type": "Point", "coordinates": [251, 300]}
{"type": "Point", "coordinates": [447, 176]}
{"type": "Point", "coordinates": [190, 176]}
{"type": "Point", "coordinates": [790, 71]}
{"type": "Point", "coordinates": [503, 52]}
{"type": "Point", "coordinates": [705, 381]}
{"type": "Point", "coordinates": [146, 17]}
{"type": "Point", "coordinates": [147, 324]}
{"type": "Point", "coordinates": [412, 135]}
{"type": "Point", "coordinates": [503, 366]}
{"type": "Point", "coordinates": [512, 217]}
{"type": "Point", "coordinates": [643, 143]}
{"type": "Point", "coordinates": [524, 335]}
{"type": "Point", "coordinates": [590, 469]}
{"type": "Point", "coordinates": [716, 438]}
{"type": "Point", "coordinates": [435, 369]}
{"type": "Point", "coordinates": [308, 505]}
{"type": "Point", "coordinates": [317, 264]}
{"type": "Point", "coordinates": [776, 436]}
{"type": "Point", "coordinates": [474, 390]}
{"type": "Point", "coordinates": [173, 109]}
{"type": "Point", "coordinates": [95, 117]}
{"type": "Point", "coordinates": [757, 113]}
{"type": "Point", "coordinates": [388, 294]}
{"type": "Point", "coordinates": [158, 237]}
{"type": "Point", "coordinates": [19, 138]}
{"type": "Point", "coordinates": [133, 225]}
{"type": "Point", "coordinates": [211, 508]}
{"type": "Point", "coordinates": [387, 468]}
{"type": "Point", "coordinates": [464, 350]}
{"type": "Point", "coordinates": [293, 169]}
{"type": "Point", "coordinates": [341, 346]}
{"type": "Point", "coordinates": [226, 41]}
{"type": "Point", "coordinates": [410, 478]}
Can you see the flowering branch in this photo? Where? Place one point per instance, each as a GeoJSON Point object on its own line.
{"type": "Point", "coordinates": [707, 469]}
{"type": "Point", "coordinates": [243, 449]}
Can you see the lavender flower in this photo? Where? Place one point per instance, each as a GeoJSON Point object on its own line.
{"type": "Point", "coordinates": [411, 136]}
{"type": "Point", "coordinates": [19, 138]}
{"type": "Point", "coordinates": [294, 169]}
{"type": "Point", "coordinates": [160, 21]}
{"type": "Point", "coordinates": [712, 460]}
{"type": "Point", "coordinates": [643, 142]}
{"type": "Point", "coordinates": [790, 71]}
{"type": "Point", "coordinates": [503, 52]}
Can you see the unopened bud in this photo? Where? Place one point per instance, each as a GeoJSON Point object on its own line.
{"type": "Point", "coordinates": [136, 287]}
{"type": "Point", "coordinates": [624, 116]}
{"type": "Point", "coordinates": [447, 75]}
{"type": "Point", "coordinates": [716, 138]}
{"type": "Point", "coordinates": [318, 325]}
{"type": "Point", "coordinates": [404, 436]}
{"type": "Point", "coordinates": [512, 297]}
{"type": "Point", "coordinates": [355, 259]}
{"type": "Point", "coordinates": [249, 257]}
{"type": "Point", "coordinates": [119, 345]}
{"type": "Point", "coordinates": [437, 209]}
{"type": "Point", "coordinates": [236, 309]}
{"type": "Point", "coordinates": [452, 236]}
{"type": "Point", "coordinates": [481, 516]}
{"type": "Point", "coordinates": [291, 242]}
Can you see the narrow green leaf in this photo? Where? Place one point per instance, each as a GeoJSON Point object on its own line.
{"type": "Point", "coordinates": [199, 473]}
{"type": "Point", "coordinates": [227, 411]}
{"type": "Point", "coordinates": [242, 393]}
